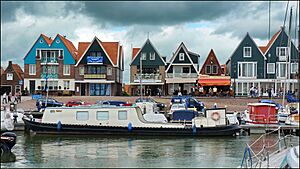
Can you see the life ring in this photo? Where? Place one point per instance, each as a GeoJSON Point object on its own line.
{"type": "Point", "coordinates": [215, 116]}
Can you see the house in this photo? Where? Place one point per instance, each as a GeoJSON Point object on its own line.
{"type": "Point", "coordinates": [182, 71]}
{"type": "Point", "coordinates": [12, 79]}
{"type": "Point", "coordinates": [263, 67]}
{"type": "Point", "coordinates": [2, 70]}
{"type": "Point", "coordinates": [50, 61]}
{"type": "Point", "coordinates": [147, 66]}
{"type": "Point", "coordinates": [212, 75]}
{"type": "Point", "coordinates": [99, 69]}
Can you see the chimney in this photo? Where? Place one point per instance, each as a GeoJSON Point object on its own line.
{"type": "Point", "coordinates": [9, 63]}
{"type": "Point", "coordinates": [64, 36]}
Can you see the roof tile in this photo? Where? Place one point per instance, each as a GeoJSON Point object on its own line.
{"type": "Point", "coordinates": [134, 52]}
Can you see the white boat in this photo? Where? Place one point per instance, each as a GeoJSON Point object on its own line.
{"type": "Point", "coordinates": [293, 114]}
{"type": "Point", "coordinates": [126, 120]}
{"type": "Point", "coordinates": [6, 121]}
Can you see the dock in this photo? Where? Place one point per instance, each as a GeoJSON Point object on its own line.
{"type": "Point", "coordinates": [263, 128]}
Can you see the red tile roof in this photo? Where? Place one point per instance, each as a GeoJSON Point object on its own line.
{"type": "Point", "coordinates": [274, 37]}
{"type": "Point", "coordinates": [134, 52]}
{"type": "Point", "coordinates": [111, 49]}
{"type": "Point", "coordinates": [70, 46]}
{"type": "Point", "coordinates": [18, 70]}
{"type": "Point", "coordinates": [82, 46]}
{"type": "Point", "coordinates": [47, 39]}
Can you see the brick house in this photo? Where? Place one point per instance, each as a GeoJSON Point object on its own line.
{"type": "Point", "coordinates": [50, 61]}
{"type": "Point", "coordinates": [99, 69]}
{"type": "Point", "coordinates": [12, 79]}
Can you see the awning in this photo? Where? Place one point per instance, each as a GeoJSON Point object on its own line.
{"type": "Point", "coordinates": [214, 80]}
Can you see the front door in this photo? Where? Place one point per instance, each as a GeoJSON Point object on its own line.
{"type": "Point", "coordinates": [31, 86]}
{"type": "Point", "coordinates": [82, 89]}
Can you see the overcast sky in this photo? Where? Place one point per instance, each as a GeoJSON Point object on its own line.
{"type": "Point", "coordinates": [200, 25]}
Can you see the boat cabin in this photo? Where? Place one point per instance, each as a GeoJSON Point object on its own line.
{"type": "Point", "coordinates": [263, 113]}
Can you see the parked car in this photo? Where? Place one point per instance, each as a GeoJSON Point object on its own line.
{"type": "Point", "coordinates": [72, 103]}
{"type": "Point", "coordinates": [113, 102]}
{"type": "Point", "coordinates": [50, 102]}
{"type": "Point", "coordinates": [160, 105]}
{"type": "Point", "coordinates": [189, 101]}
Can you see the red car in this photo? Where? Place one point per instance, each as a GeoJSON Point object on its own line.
{"type": "Point", "coordinates": [72, 103]}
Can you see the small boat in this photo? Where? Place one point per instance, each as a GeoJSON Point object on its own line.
{"type": "Point", "coordinates": [8, 140]}
{"type": "Point", "coordinates": [261, 113]}
{"type": "Point", "coordinates": [125, 120]}
{"type": "Point", "coordinates": [7, 123]}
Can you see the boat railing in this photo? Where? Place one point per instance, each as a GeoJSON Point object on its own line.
{"type": "Point", "coordinates": [255, 155]}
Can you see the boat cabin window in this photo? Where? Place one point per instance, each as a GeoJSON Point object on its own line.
{"type": "Point", "coordinates": [82, 115]}
{"type": "Point", "coordinates": [102, 115]}
{"type": "Point", "coordinates": [122, 115]}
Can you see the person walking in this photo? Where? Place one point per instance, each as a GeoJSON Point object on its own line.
{"type": "Point", "coordinates": [4, 98]}
{"type": "Point", "coordinates": [16, 97]}
{"type": "Point", "coordinates": [20, 94]}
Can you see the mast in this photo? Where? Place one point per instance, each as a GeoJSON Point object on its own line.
{"type": "Point", "coordinates": [141, 73]}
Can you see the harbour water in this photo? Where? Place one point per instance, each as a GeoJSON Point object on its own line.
{"type": "Point", "coordinates": [107, 151]}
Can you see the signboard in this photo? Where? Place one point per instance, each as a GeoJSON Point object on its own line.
{"type": "Point", "coordinates": [20, 82]}
{"type": "Point", "coordinates": [36, 96]}
{"type": "Point", "coordinates": [94, 59]}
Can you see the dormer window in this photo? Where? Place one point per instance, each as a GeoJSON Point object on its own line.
{"type": "Point", "coordinates": [181, 56]}
{"type": "Point", "coordinates": [57, 41]}
{"type": "Point", "coordinates": [152, 56]}
{"type": "Point", "coordinates": [143, 56]}
{"type": "Point", "coordinates": [247, 51]}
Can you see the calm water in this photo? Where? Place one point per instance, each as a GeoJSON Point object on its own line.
{"type": "Point", "coordinates": [95, 151]}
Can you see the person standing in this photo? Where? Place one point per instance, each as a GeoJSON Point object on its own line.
{"type": "Point", "coordinates": [215, 91]}
{"type": "Point", "coordinates": [210, 91]}
{"type": "Point", "coordinates": [4, 98]}
{"type": "Point", "coordinates": [9, 97]}
{"type": "Point", "coordinates": [16, 97]}
{"type": "Point", "coordinates": [19, 98]}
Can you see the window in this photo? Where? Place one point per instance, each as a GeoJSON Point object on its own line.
{"type": "Point", "coordinates": [247, 69]}
{"type": "Point", "coordinates": [9, 76]}
{"type": "Point", "coordinates": [215, 69]}
{"type": "Point", "coordinates": [32, 69]}
{"type": "Point", "coordinates": [57, 41]}
{"type": "Point", "coordinates": [109, 71]}
{"type": "Point", "coordinates": [271, 68]}
{"type": "Point", "coordinates": [247, 51]}
{"type": "Point", "coordinates": [281, 52]}
{"type": "Point", "coordinates": [61, 54]}
{"type": "Point", "coordinates": [38, 54]}
{"type": "Point", "coordinates": [66, 69]}
{"type": "Point", "coordinates": [143, 56]}
{"type": "Point", "coordinates": [185, 70]}
{"type": "Point", "coordinates": [122, 115]}
{"type": "Point", "coordinates": [41, 41]}
{"type": "Point", "coordinates": [152, 56]}
{"type": "Point", "coordinates": [281, 69]}
{"type": "Point", "coordinates": [181, 56]}
{"type": "Point", "coordinates": [66, 84]}
{"type": "Point", "coordinates": [102, 115]}
{"type": "Point", "coordinates": [17, 88]}
{"type": "Point", "coordinates": [207, 69]}
{"type": "Point", "coordinates": [81, 70]}
{"type": "Point", "coordinates": [82, 115]}
{"type": "Point", "coordinates": [294, 68]}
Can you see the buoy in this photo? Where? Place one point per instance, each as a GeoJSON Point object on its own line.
{"type": "Point", "coordinates": [129, 126]}
{"type": "Point", "coordinates": [58, 126]}
{"type": "Point", "coordinates": [194, 129]}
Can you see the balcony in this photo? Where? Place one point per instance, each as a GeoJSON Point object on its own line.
{"type": "Point", "coordinates": [95, 76]}
{"type": "Point", "coordinates": [50, 76]}
{"type": "Point", "coordinates": [49, 61]}
{"type": "Point", "coordinates": [182, 75]}
{"type": "Point", "coordinates": [148, 78]}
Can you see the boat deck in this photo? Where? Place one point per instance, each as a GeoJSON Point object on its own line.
{"type": "Point", "coordinates": [262, 128]}
{"type": "Point", "coordinates": [275, 159]}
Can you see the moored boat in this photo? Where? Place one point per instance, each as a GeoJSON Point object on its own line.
{"type": "Point", "coordinates": [125, 120]}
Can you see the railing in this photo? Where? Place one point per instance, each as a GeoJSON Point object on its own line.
{"type": "Point", "coordinates": [252, 159]}
{"type": "Point", "coordinates": [50, 75]}
{"type": "Point", "coordinates": [94, 76]}
{"type": "Point", "coordinates": [49, 61]}
{"type": "Point", "coordinates": [182, 75]}
{"type": "Point", "coordinates": [148, 78]}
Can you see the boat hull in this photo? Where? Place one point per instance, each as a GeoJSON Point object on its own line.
{"type": "Point", "coordinates": [50, 128]}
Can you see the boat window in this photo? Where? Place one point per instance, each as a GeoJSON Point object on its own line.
{"type": "Point", "coordinates": [82, 115]}
{"type": "Point", "coordinates": [102, 115]}
{"type": "Point", "coordinates": [122, 115]}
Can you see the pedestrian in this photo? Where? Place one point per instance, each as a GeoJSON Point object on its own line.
{"type": "Point", "coordinates": [269, 93]}
{"type": "Point", "coordinates": [210, 91]}
{"type": "Point", "coordinates": [16, 97]}
{"type": "Point", "coordinates": [15, 115]}
{"type": "Point", "coordinates": [201, 90]}
{"type": "Point", "coordinates": [4, 98]}
{"type": "Point", "coordinates": [9, 97]}
{"type": "Point", "coordinates": [215, 91]}
{"type": "Point", "coordinates": [239, 118]}
{"type": "Point", "coordinates": [179, 93]}
{"type": "Point", "coordinates": [19, 98]}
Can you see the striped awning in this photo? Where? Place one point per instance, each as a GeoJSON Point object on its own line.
{"type": "Point", "coordinates": [205, 80]}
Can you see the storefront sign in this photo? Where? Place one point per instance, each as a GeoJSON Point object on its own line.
{"type": "Point", "coordinates": [94, 59]}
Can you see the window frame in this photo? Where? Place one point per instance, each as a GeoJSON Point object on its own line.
{"type": "Point", "coordinates": [9, 75]}
{"type": "Point", "coordinates": [109, 71]}
{"type": "Point", "coordinates": [76, 117]}
{"type": "Point", "coordinates": [66, 84]}
{"type": "Point", "coordinates": [181, 56]}
{"type": "Point", "coordinates": [106, 112]}
{"type": "Point", "coordinates": [278, 69]}
{"type": "Point", "coordinates": [152, 56]}
{"type": "Point", "coordinates": [212, 69]}
{"type": "Point", "coordinates": [206, 66]}
{"type": "Point", "coordinates": [254, 70]}
{"type": "Point", "coordinates": [64, 69]}
{"type": "Point", "coordinates": [271, 72]}
{"type": "Point", "coordinates": [296, 65]}
{"type": "Point", "coordinates": [32, 69]}
{"type": "Point", "coordinates": [250, 52]}
{"type": "Point", "coordinates": [144, 56]}
{"type": "Point", "coordinates": [120, 116]}
{"type": "Point", "coordinates": [81, 70]}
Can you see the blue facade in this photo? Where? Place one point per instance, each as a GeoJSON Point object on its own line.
{"type": "Point", "coordinates": [57, 43]}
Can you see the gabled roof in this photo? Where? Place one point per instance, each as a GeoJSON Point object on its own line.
{"type": "Point", "coordinates": [264, 49]}
{"type": "Point", "coordinates": [111, 49]}
{"type": "Point", "coordinates": [47, 39]}
{"type": "Point", "coordinates": [69, 45]}
{"type": "Point", "coordinates": [18, 70]}
{"type": "Point", "coordinates": [254, 44]}
{"type": "Point", "coordinates": [186, 52]}
{"type": "Point", "coordinates": [148, 40]}
{"type": "Point", "coordinates": [134, 52]}
{"type": "Point", "coordinates": [211, 55]}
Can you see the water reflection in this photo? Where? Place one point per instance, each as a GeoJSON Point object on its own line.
{"type": "Point", "coordinates": [114, 151]}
